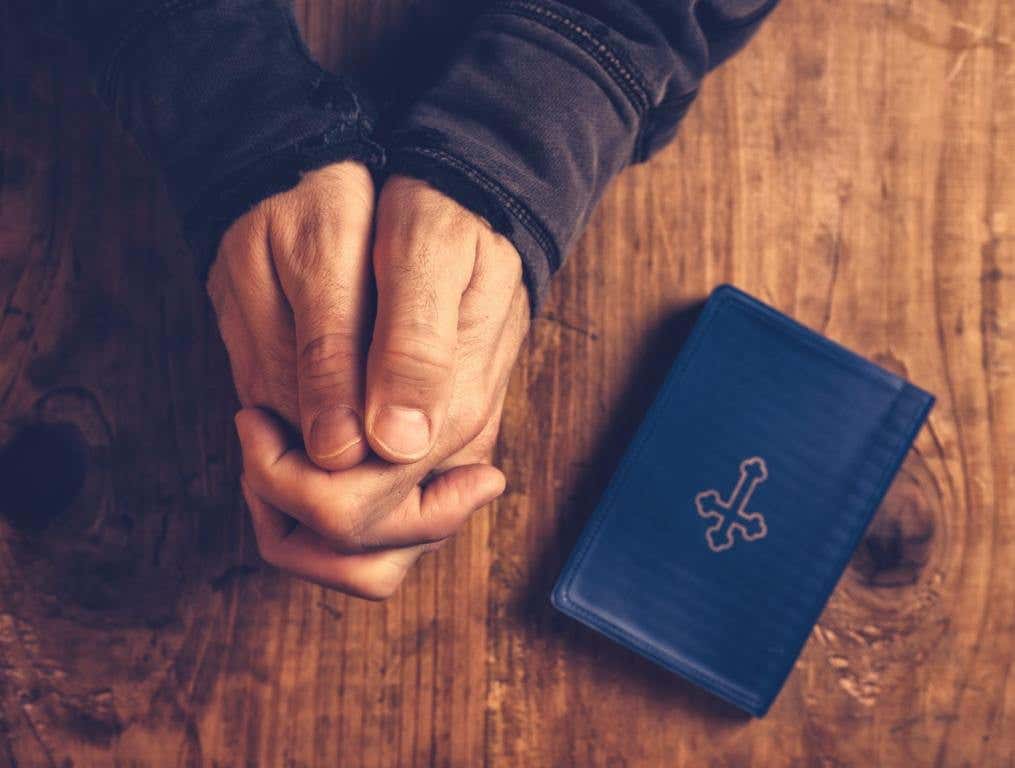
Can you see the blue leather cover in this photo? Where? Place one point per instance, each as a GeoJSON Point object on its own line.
{"type": "Point", "coordinates": [739, 502]}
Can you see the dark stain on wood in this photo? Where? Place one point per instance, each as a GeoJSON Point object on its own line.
{"type": "Point", "coordinates": [42, 471]}
{"type": "Point", "coordinates": [854, 166]}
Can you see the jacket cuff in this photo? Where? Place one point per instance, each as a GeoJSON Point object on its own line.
{"type": "Point", "coordinates": [472, 188]}
{"type": "Point", "coordinates": [224, 200]}
{"type": "Point", "coordinates": [242, 121]}
{"type": "Point", "coordinates": [526, 128]}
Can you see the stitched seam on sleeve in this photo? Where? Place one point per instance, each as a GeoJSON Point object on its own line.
{"type": "Point", "coordinates": [336, 141]}
{"type": "Point", "coordinates": [614, 62]}
{"type": "Point", "coordinates": [142, 20]}
{"type": "Point", "coordinates": [514, 205]}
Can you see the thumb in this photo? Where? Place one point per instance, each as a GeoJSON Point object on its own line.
{"type": "Point", "coordinates": [331, 315]}
{"type": "Point", "coordinates": [327, 283]}
{"type": "Point", "coordinates": [411, 365]}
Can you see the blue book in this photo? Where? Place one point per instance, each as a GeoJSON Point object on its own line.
{"type": "Point", "coordinates": [741, 499]}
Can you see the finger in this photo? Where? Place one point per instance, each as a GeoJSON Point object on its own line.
{"type": "Point", "coordinates": [331, 314]}
{"type": "Point", "coordinates": [270, 525]}
{"type": "Point", "coordinates": [296, 549]}
{"type": "Point", "coordinates": [420, 282]}
{"type": "Point", "coordinates": [439, 509]}
{"type": "Point", "coordinates": [255, 321]}
{"type": "Point", "coordinates": [327, 282]}
{"type": "Point", "coordinates": [371, 505]}
{"type": "Point", "coordinates": [285, 477]}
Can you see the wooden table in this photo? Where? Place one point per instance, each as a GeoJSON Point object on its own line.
{"type": "Point", "coordinates": [855, 167]}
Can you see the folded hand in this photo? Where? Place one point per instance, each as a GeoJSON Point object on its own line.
{"type": "Point", "coordinates": [354, 507]}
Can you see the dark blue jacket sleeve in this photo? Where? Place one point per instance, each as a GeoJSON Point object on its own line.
{"type": "Point", "coordinates": [224, 97]}
{"type": "Point", "coordinates": [548, 100]}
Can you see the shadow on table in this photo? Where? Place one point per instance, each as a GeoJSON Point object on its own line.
{"type": "Point", "coordinates": [614, 663]}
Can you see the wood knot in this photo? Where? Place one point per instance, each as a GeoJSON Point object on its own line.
{"type": "Point", "coordinates": [898, 543]}
{"type": "Point", "coordinates": [42, 471]}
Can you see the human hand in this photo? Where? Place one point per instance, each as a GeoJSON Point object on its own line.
{"type": "Point", "coordinates": [452, 313]}
{"type": "Point", "coordinates": [291, 287]}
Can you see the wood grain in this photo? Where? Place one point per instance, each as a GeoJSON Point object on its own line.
{"type": "Point", "coordinates": [855, 167]}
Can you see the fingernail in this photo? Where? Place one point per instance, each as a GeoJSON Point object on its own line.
{"type": "Point", "coordinates": [403, 432]}
{"type": "Point", "coordinates": [334, 431]}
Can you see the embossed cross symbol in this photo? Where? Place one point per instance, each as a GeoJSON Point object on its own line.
{"type": "Point", "coordinates": [732, 515]}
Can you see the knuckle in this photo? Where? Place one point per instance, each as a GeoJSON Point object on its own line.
{"type": "Point", "coordinates": [217, 287]}
{"type": "Point", "coordinates": [320, 226]}
{"type": "Point", "coordinates": [342, 192]}
{"type": "Point", "coordinates": [339, 519]}
{"type": "Point", "coordinates": [318, 287]}
{"type": "Point", "coordinates": [445, 496]}
{"type": "Point", "coordinates": [425, 204]}
{"type": "Point", "coordinates": [408, 291]}
{"type": "Point", "coordinates": [278, 356]}
{"type": "Point", "coordinates": [306, 260]}
{"type": "Point", "coordinates": [311, 258]}
{"type": "Point", "coordinates": [460, 493]}
{"type": "Point", "coordinates": [415, 361]}
{"type": "Point", "coordinates": [245, 231]}
{"type": "Point", "coordinates": [278, 398]}
{"type": "Point", "coordinates": [297, 220]}
{"type": "Point", "coordinates": [510, 262]}
{"type": "Point", "coordinates": [328, 356]}
{"type": "Point", "coordinates": [381, 583]}
{"type": "Point", "coordinates": [447, 509]}
{"type": "Point", "coordinates": [256, 470]}
{"type": "Point", "coordinates": [268, 551]}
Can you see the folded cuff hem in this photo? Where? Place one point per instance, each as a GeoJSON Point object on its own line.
{"type": "Point", "coordinates": [612, 60]}
{"type": "Point", "coordinates": [218, 208]}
